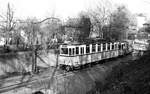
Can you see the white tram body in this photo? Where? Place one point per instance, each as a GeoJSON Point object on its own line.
{"type": "Point", "coordinates": [74, 55]}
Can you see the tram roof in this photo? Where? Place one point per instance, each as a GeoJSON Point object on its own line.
{"type": "Point", "coordinates": [90, 42]}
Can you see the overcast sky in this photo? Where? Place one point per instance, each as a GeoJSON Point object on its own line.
{"type": "Point", "coordinates": [65, 8]}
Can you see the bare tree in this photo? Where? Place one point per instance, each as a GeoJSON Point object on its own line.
{"type": "Point", "coordinates": [32, 34]}
{"type": "Point", "coordinates": [100, 16]}
{"type": "Point", "coordinates": [8, 23]}
{"type": "Point", "coordinates": [41, 35]}
{"type": "Point", "coordinates": [51, 30]}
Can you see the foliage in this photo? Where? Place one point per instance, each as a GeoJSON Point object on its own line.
{"type": "Point", "coordinates": [120, 20]}
{"type": "Point", "coordinates": [31, 31]}
{"type": "Point", "coordinates": [147, 29]}
{"type": "Point", "coordinates": [51, 31]}
{"type": "Point", "coordinates": [78, 29]}
{"type": "Point", "coordinates": [85, 29]}
{"type": "Point", "coordinates": [100, 16]}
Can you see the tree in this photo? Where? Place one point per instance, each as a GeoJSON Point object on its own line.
{"type": "Point", "coordinates": [119, 23]}
{"type": "Point", "coordinates": [33, 35]}
{"type": "Point", "coordinates": [8, 23]}
{"type": "Point", "coordinates": [32, 31]}
{"type": "Point", "coordinates": [78, 29]}
{"type": "Point", "coordinates": [100, 16]}
{"type": "Point", "coordinates": [147, 29]}
{"type": "Point", "coordinates": [85, 29]}
{"type": "Point", "coordinates": [41, 35]}
{"type": "Point", "coordinates": [51, 30]}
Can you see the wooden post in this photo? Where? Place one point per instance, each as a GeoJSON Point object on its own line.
{"type": "Point", "coordinates": [34, 61]}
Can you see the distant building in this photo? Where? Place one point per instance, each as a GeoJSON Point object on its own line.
{"type": "Point", "coordinates": [135, 30]}
{"type": "Point", "coordinates": [145, 25]}
{"type": "Point", "coordinates": [131, 32]}
{"type": "Point", "coordinates": [2, 41]}
{"type": "Point", "coordinates": [141, 19]}
{"type": "Point", "coordinates": [71, 32]}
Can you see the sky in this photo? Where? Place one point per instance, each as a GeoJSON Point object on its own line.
{"type": "Point", "coordinates": [65, 8]}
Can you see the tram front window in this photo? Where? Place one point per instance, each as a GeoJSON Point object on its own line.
{"type": "Point", "coordinates": [64, 51]}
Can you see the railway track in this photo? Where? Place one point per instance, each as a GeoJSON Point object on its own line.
{"type": "Point", "coordinates": [13, 83]}
{"type": "Point", "coordinates": [18, 84]}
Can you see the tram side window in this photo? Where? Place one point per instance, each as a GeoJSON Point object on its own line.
{"type": "Point", "coordinates": [108, 46]}
{"type": "Point", "coordinates": [87, 49]}
{"type": "Point", "coordinates": [93, 48]}
{"type": "Point", "coordinates": [112, 46]}
{"type": "Point", "coordinates": [70, 51]}
{"type": "Point", "coordinates": [82, 50]}
{"type": "Point", "coordinates": [116, 46]}
{"type": "Point", "coordinates": [104, 47]}
{"type": "Point", "coordinates": [119, 46]}
{"type": "Point", "coordinates": [64, 50]}
{"type": "Point", "coordinates": [99, 47]}
{"type": "Point", "coordinates": [122, 46]}
{"type": "Point", "coordinates": [77, 50]}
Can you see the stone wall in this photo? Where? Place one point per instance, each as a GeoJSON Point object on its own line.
{"type": "Point", "coordinates": [15, 62]}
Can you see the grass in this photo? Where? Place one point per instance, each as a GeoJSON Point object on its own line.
{"type": "Point", "coordinates": [131, 77]}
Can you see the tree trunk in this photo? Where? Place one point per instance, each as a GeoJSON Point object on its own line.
{"type": "Point", "coordinates": [34, 61]}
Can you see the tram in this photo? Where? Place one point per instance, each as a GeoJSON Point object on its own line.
{"type": "Point", "coordinates": [78, 55]}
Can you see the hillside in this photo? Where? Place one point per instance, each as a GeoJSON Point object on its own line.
{"type": "Point", "coordinates": [83, 81]}
{"type": "Point", "coordinates": [128, 78]}
{"type": "Point", "coordinates": [118, 76]}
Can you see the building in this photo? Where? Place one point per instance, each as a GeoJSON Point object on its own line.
{"type": "Point", "coordinates": [141, 19]}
